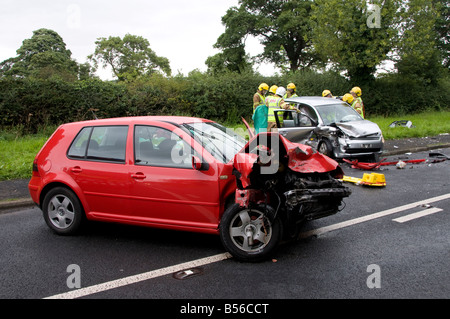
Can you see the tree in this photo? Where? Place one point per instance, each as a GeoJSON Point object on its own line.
{"type": "Point", "coordinates": [230, 60]}
{"type": "Point", "coordinates": [129, 58]}
{"type": "Point", "coordinates": [419, 55]}
{"type": "Point", "coordinates": [345, 35]}
{"type": "Point", "coordinates": [442, 29]}
{"type": "Point", "coordinates": [282, 27]}
{"type": "Point", "coordinates": [43, 55]}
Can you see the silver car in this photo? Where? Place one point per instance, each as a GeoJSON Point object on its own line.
{"type": "Point", "coordinates": [331, 126]}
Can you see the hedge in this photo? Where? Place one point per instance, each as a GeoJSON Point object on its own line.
{"type": "Point", "coordinates": [31, 103]}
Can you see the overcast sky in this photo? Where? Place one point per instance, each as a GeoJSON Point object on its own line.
{"type": "Point", "coordinates": [182, 31]}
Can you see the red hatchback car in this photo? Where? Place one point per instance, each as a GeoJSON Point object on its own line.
{"type": "Point", "coordinates": [168, 172]}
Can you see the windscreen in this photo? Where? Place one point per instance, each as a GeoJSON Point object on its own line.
{"type": "Point", "coordinates": [338, 113]}
{"type": "Point", "coordinates": [221, 142]}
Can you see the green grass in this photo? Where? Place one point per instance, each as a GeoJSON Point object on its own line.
{"type": "Point", "coordinates": [17, 152]}
{"type": "Point", "coordinates": [16, 157]}
{"type": "Point", "coordinates": [426, 124]}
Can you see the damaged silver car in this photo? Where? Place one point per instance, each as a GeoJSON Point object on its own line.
{"type": "Point", "coordinates": [330, 126]}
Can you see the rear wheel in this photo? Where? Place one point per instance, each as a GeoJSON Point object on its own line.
{"type": "Point", "coordinates": [250, 234]}
{"type": "Point", "coordinates": [62, 210]}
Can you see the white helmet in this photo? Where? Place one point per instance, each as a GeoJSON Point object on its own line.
{"type": "Point", "coordinates": [281, 91]}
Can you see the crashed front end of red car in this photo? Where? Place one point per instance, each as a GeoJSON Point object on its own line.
{"type": "Point", "coordinates": [297, 181]}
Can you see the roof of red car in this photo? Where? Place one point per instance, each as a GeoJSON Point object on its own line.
{"type": "Point", "coordinates": [123, 120]}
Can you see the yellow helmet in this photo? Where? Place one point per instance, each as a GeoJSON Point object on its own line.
{"type": "Point", "coordinates": [263, 86]}
{"type": "Point", "coordinates": [291, 86]}
{"type": "Point", "coordinates": [348, 98]}
{"type": "Point", "coordinates": [357, 91]}
{"type": "Point", "coordinates": [273, 89]}
{"type": "Point", "coordinates": [326, 93]}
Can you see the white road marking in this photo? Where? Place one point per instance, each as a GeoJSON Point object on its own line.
{"type": "Point", "coordinates": [209, 260]}
{"type": "Point", "coordinates": [422, 213]}
{"type": "Point", "coordinates": [138, 278]}
{"type": "Point", "coordinates": [326, 229]}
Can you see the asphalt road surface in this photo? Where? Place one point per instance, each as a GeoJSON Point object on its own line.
{"type": "Point", "coordinates": [387, 243]}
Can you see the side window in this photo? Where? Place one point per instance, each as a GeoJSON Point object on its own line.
{"type": "Point", "coordinates": [155, 146]}
{"type": "Point", "coordinates": [102, 143]}
{"type": "Point", "coordinates": [305, 120]}
{"type": "Point", "coordinates": [80, 144]}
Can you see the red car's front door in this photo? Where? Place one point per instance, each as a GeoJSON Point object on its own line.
{"type": "Point", "coordinates": [165, 190]}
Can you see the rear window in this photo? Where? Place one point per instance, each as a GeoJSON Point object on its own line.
{"type": "Point", "coordinates": [100, 143]}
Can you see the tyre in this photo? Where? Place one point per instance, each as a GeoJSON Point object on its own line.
{"type": "Point", "coordinates": [63, 212]}
{"type": "Point", "coordinates": [325, 148]}
{"type": "Point", "coordinates": [250, 234]}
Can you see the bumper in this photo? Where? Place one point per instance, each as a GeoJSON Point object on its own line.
{"type": "Point", "coordinates": [358, 147]}
{"type": "Point", "coordinates": [34, 187]}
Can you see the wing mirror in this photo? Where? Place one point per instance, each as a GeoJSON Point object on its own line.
{"type": "Point", "coordinates": [198, 165]}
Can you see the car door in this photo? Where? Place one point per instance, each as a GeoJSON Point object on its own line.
{"type": "Point", "coordinates": [166, 190]}
{"type": "Point", "coordinates": [97, 165]}
{"type": "Point", "coordinates": [296, 126]}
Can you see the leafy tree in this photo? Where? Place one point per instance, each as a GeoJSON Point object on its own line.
{"type": "Point", "coordinates": [231, 59]}
{"type": "Point", "coordinates": [344, 36]}
{"type": "Point", "coordinates": [282, 27]}
{"type": "Point", "coordinates": [442, 28]}
{"type": "Point", "coordinates": [43, 55]}
{"type": "Point", "coordinates": [419, 56]}
{"type": "Point", "coordinates": [129, 58]}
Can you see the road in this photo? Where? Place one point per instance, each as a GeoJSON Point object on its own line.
{"type": "Point", "coordinates": [363, 252]}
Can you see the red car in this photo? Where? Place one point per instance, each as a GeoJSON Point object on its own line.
{"type": "Point", "coordinates": [177, 173]}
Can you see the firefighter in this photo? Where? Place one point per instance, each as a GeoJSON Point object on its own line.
{"type": "Point", "coordinates": [356, 93]}
{"type": "Point", "coordinates": [273, 103]}
{"type": "Point", "coordinates": [290, 92]}
{"type": "Point", "coordinates": [353, 102]}
{"type": "Point", "coordinates": [259, 97]}
{"type": "Point", "coordinates": [272, 91]}
{"type": "Point", "coordinates": [327, 93]}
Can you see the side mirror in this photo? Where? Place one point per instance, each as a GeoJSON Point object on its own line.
{"type": "Point", "coordinates": [198, 165]}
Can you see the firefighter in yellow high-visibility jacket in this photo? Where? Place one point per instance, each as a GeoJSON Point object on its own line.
{"type": "Point", "coordinates": [260, 96]}
{"type": "Point", "coordinates": [273, 103]}
{"type": "Point", "coordinates": [356, 92]}
{"type": "Point", "coordinates": [354, 103]}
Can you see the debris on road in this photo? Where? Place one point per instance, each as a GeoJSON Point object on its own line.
{"type": "Point", "coordinates": [402, 123]}
{"type": "Point", "coordinates": [372, 179]}
{"type": "Point", "coordinates": [400, 164]}
{"type": "Point", "coordinates": [372, 166]}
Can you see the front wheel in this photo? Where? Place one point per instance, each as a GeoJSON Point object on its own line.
{"type": "Point", "coordinates": [325, 148]}
{"type": "Point", "coordinates": [250, 234]}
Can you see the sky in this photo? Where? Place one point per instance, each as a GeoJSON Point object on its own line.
{"type": "Point", "coordinates": [180, 30]}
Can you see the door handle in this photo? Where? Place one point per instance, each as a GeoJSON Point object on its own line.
{"type": "Point", "coordinates": [76, 170]}
{"type": "Point", "coordinates": [138, 176]}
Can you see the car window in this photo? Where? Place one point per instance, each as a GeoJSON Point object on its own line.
{"type": "Point", "coordinates": [308, 110]}
{"type": "Point", "coordinates": [338, 113]}
{"type": "Point", "coordinates": [220, 142]}
{"type": "Point", "coordinates": [80, 143]}
{"type": "Point", "coordinates": [156, 146]}
{"type": "Point", "coordinates": [102, 143]}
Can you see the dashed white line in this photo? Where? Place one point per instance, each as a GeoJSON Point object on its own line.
{"type": "Point", "coordinates": [326, 229]}
{"type": "Point", "coordinates": [422, 213]}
